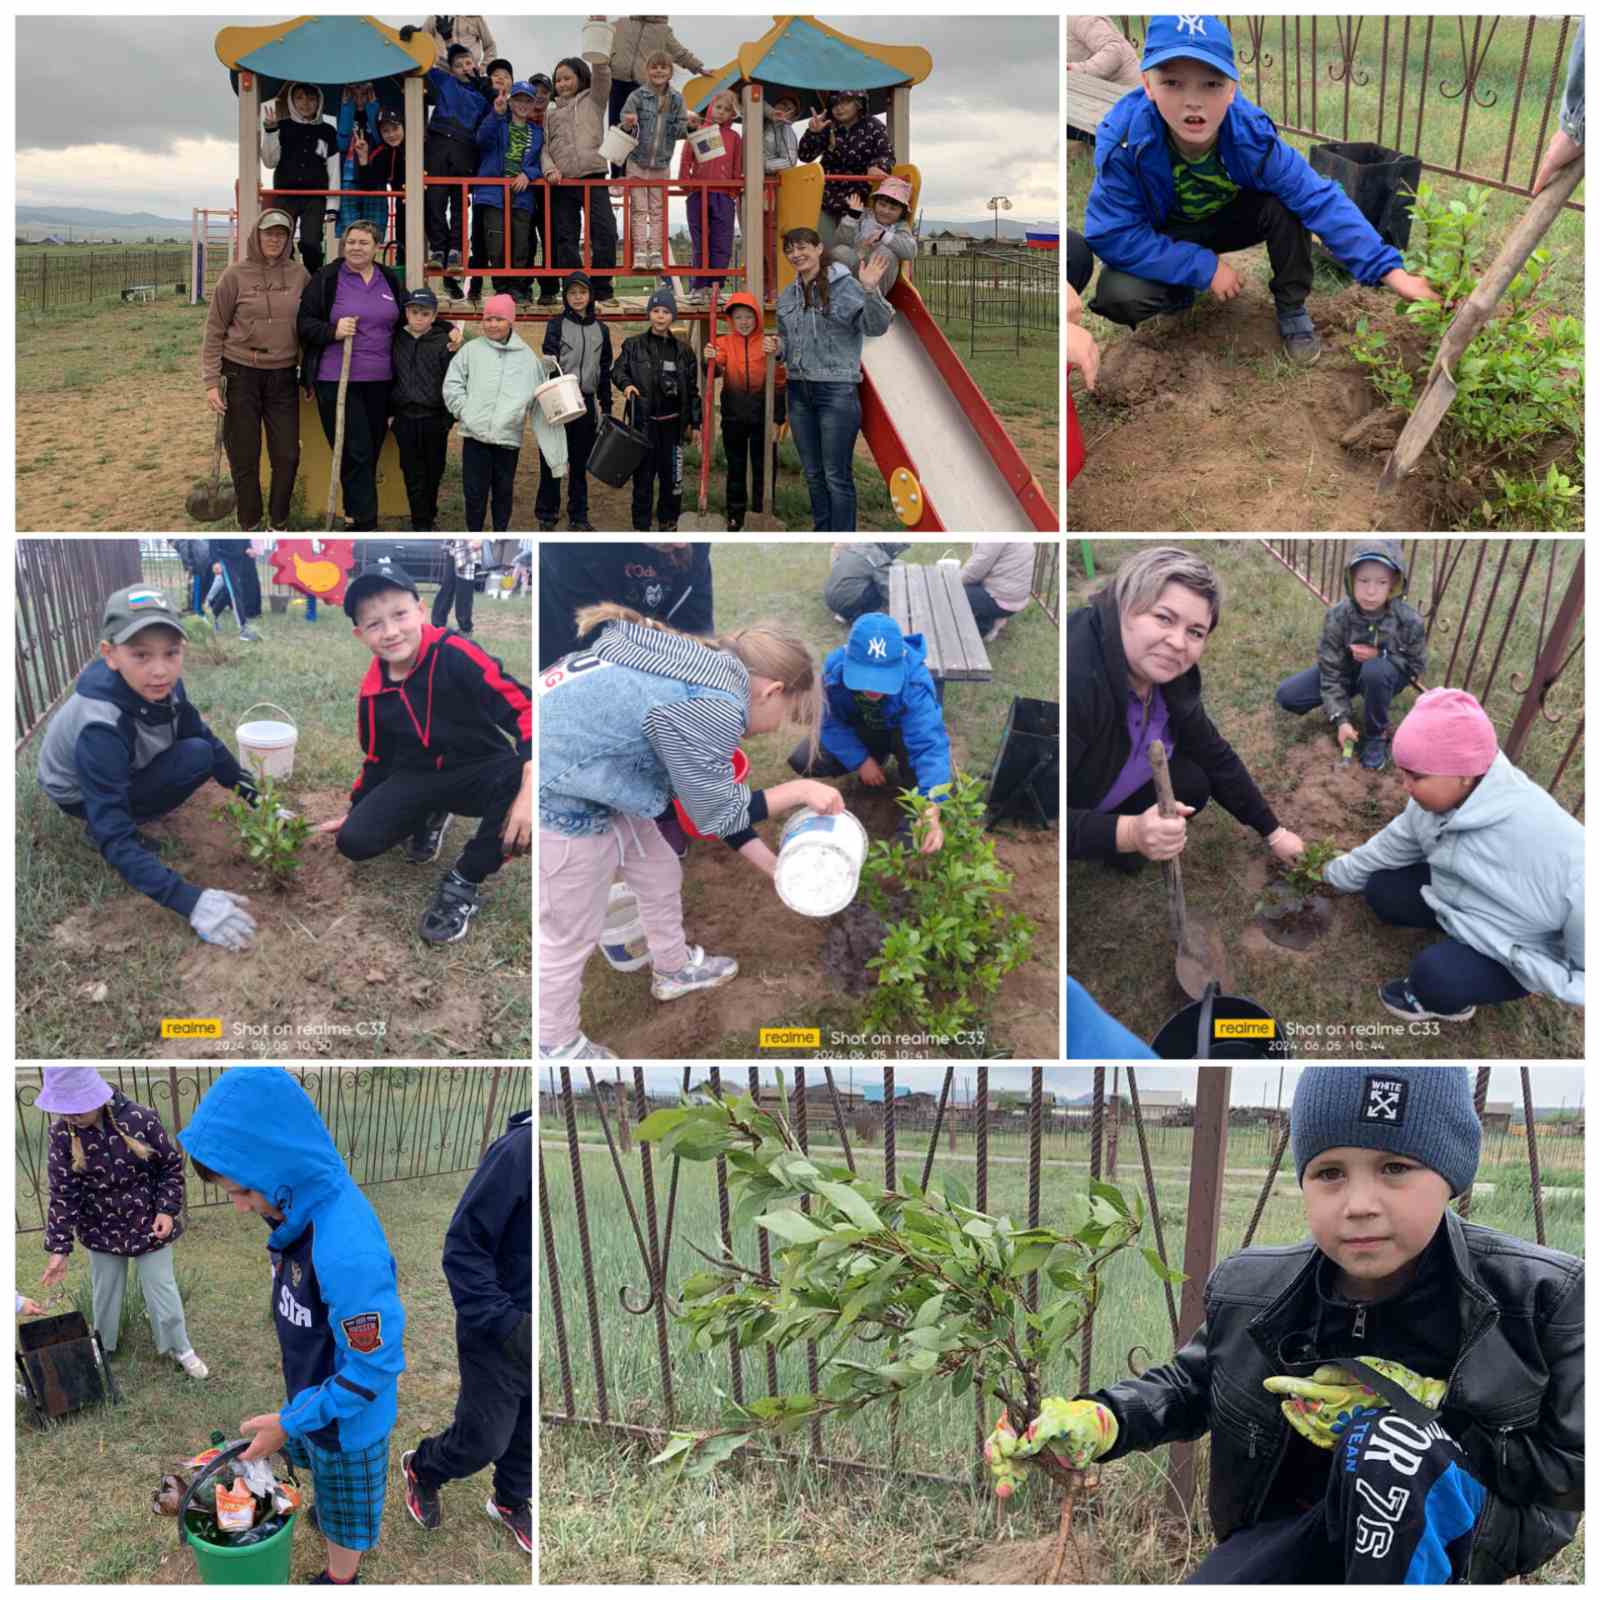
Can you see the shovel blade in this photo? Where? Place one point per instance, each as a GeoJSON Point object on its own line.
{"type": "Point", "coordinates": [1424, 423]}
{"type": "Point", "coordinates": [1202, 959]}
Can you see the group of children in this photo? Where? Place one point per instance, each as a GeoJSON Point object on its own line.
{"type": "Point", "coordinates": [117, 1187]}
{"type": "Point", "coordinates": [444, 730]}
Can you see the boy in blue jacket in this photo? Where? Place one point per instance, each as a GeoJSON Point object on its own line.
{"type": "Point", "coordinates": [335, 1302]}
{"type": "Point", "coordinates": [510, 144]}
{"type": "Point", "coordinates": [879, 700]}
{"type": "Point", "coordinates": [1186, 168]}
{"type": "Point", "coordinates": [127, 746]}
{"type": "Point", "coordinates": [488, 1263]}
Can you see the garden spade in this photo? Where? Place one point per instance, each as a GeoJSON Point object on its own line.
{"type": "Point", "coordinates": [338, 432]}
{"type": "Point", "coordinates": [211, 503]}
{"type": "Point", "coordinates": [1200, 957]}
{"type": "Point", "coordinates": [1476, 310]}
{"type": "Point", "coordinates": [698, 521]}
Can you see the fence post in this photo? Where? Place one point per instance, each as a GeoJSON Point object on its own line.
{"type": "Point", "coordinates": [1208, 1156]}
{"type": "Point", "coordinates": [1551, 660]}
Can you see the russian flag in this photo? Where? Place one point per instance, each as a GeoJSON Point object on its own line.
{"type": "Point", "coordinates": [1044, 238]}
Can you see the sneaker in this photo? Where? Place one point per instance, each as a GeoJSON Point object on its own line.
{"type": "Point", "coordinates": [735, 525]}
{"type": "Point", "coordinates": [518, 1519]}
{"type": "Point", "coordinates": [424, 845]}
{"type": "Point", "coordinates": [452, 287]}
{"type": "Point", "coordinates": [193, 1365]}
{"type": "Point", "coordinates": [582, 1048]}
{"type": "Point", "coordinates": [249, 636]}
{"type": "Point", "coordinates": [843, 622]}
{"type": "Point", "coordinates": [422, 1500]}
{"type": "Point", "coordinates": [455, 904]}
{"type": "Point", "coordinates": [453, 261]}
{"type": "Point", "coordinates": [549, 299]}
{"type": "Point", "coordinates": [322, 1577]}
{"type": "Point", "coordinates": [702, 972]}
{"type": "Point", "coordinates": [435, 258]}
{"type": "Point", "coordinates": [1399, 1001]}
{"type": "Point", "coordinates": [546, 527]}
{"type": "Point", "coordinates": [1375, 753]}
{"type": "Point", "coordinates": [1301, 341]}
{"type": "Point", "coordinates": [578, 526]}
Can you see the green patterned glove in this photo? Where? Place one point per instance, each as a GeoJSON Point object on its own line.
{"type": "Point", "coordinates": [1079, 1431]}
{"type": "Point", "coordinates": [1320, 1407]}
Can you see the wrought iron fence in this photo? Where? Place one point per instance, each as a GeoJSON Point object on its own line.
{"type": "Point", "coordinates": [989, 299]}
{"type": "Point", "coordinates": [61, 589]}
{"type": "Point", "coordinates": [1282, 61]}
{"type": "Point", "coordinates": [1046, 584]}
{"type": "Point", "coordinates": [391, 1124]}
{"type": "Point", "coordinates": [54, 280]}
{"type": "Point", "coordinates": [1471, 593]}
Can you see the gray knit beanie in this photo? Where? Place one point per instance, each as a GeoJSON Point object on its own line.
{"type": "Point", "coordinates": [1422, 1112]}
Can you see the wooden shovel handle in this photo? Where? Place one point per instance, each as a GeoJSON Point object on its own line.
{"type": "Point", "coordinates": [1158, 766]}
{"type": "Point", "coordinates": [1176, 916]}
{"type": "Point", "coordinates": [338, 433]}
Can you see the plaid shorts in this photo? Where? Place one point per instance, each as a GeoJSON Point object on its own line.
{"type": "Point", "coordinates": [347, 1488]}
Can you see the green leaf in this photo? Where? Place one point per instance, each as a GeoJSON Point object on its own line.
{"type": "Point", "coordinates": [962, 1381]}
{"type": "Point", "coordinates": [1166, 1273]}
{"type": "Point", "coordinates": [713, 1452]}
{"type": "Point", "coordinates": [928, 1311]}
{"type": "Point", "coordinates": [660, 1123]}
{"type": "Point", "coordinates": [792, 1226]}
{"type": "Point", "coordinates": [680, 1443]}
{"type": "Point", "coordinates": [852, 1204]}
{"type": "Point", "coordinates": [979, 1229]}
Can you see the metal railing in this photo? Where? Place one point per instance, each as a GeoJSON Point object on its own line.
{"type": "Point", "coordinates": [78, 275]}
{"type": "Point", "coordinates": [391, 1124]}
{"type": "Point", "coordinates": [1045, 586]}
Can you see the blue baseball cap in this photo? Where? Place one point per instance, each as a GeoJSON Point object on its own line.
{"type": "Point", "coordinates": [523, 88]}
{"type": "Point", "coordinates": [875, 655]}
{"type": "Point", "coordinates": [1192, 38]}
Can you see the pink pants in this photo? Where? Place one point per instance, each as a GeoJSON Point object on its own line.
{"type": "Point", "coordinates": [574, 883]}
{"type": "Point", "coordinates": [649, 212]}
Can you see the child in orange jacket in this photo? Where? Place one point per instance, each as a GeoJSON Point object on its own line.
{"type": "Point", "coordinates": [744, 401]}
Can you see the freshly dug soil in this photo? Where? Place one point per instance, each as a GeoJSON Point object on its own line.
{"type": "Point", "coordinates": [1301, 929]}
{"type": "Point", "coordinates": [1022, 1561]}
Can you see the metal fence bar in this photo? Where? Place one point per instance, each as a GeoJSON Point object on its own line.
{"type": "Point", "coordinates": [1096, 1138]}
{"type": "Point", "coordinates": [1045, 586]}
{"type": "Point", "coordinates": [590, 1293]}
{"type": "Point", "coordinates": [1533, 1155]}
{"type": "Point", "coordinates": [1155, 1203]}
{"type": "Point", "coordinates": [552, 1269]}
{"type": "Point", "coordinates": [725, 1229]}
{"type": "Point", "coordinates": [765, 1250]}
{"type": "Point", "coordinates": [981, 1153]}
{"type": "Point", "coordinates": [805, 1207]}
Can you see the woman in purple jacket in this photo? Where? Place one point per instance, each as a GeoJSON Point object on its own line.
{"type": "Point", "coordinates": [116, 1182]}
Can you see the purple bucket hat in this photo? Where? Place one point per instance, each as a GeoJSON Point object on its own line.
{"type": "Point", "coordinates": [68, 1091]}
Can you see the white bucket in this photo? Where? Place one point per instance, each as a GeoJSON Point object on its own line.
{"type": "Point", "coordinates": [267, 745]}
{"type": "Point", "coordinates": [560, 398]}
{"type": "Point", "coordinates": [706, 142]}
{"type": "Point", "coordinates": [595, 43]}
{"type": "Point", "coordinates": [622, 940]}
{"type": "Point", "coordinates": [819, 862]}
{"type": "Point", "coordinates": [618, 144]}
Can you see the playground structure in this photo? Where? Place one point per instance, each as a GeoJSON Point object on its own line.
{"type": "Point", "coordinates": [204, 239]}
{"type": "Point", "coordinates": [946, 457]}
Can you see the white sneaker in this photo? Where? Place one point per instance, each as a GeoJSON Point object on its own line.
{"type": "Point", "coordinates": [700, 972]}
{"type": "Point", "coordinates": [193, 1365]}
{"type": "Point", "coordinates": [583, 1048]}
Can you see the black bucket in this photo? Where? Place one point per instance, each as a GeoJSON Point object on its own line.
{"type": "Point", "coordinates": [1190, 1034]}
{"type": "Point", "coordinates": [62, 1366]}
{"type": "Point", "coordinates": [1379, 180]}
{"type": "Point", "coordinates": [618, 450]}
{"type": "Point", "coordinates": [1025, 781]}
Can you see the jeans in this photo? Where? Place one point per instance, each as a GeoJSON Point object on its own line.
{"type": "Point", "coordinates": [423, 443]}
{"type": "Point", "coordinates": [261, 399]}
{"type": "Point", "coordinates": [1248, 219]}
{"type": "Point", "coordinates": [459, 589]}
{"type": "Point", "coordinates": [1376, 681]}
{"type": "Point", "coordinates": [366, 426]}
{"type": "Point", "coordinates": [487, 470]}
{"type": "Point", "coordinates": [986, 610]}
{"type": "Point", "coordinates": [1446, 977]}
{"type": "Point", "coordinates": [825, 419]}
{"type": "Point", "coordinates": [158, 1281]}
{"type": "Point", "coordinates": [493, 1425]}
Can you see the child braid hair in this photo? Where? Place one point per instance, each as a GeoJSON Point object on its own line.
{"type": "Point", "coordinates": [140, 1149]}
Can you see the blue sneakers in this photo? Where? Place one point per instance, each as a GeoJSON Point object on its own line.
{"type": "Point", "coordinates": [1301, 341]}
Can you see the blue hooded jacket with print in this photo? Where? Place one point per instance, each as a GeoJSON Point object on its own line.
{"type": "Point", "coordinates": [335, 1300]}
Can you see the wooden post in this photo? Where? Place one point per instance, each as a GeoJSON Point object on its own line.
{"type": "Point", "coordinates": [1206, 1162]}
{"type": "Point", "coordinates": [416, 251]}
{"type": "Point", "coordinates": [900, 121]}
{"type": "Point", "coordinates": [249, 153]}
{"type": "Point", "coordinates": [753, 224]}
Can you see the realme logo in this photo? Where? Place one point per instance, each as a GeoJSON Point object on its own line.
{"type": "Point", "coordinates": [1244, 1028]}
{"type": "Point", "coordinates": [790, 1038]}
{"type": "Point", "coordinates": [191, 1027]}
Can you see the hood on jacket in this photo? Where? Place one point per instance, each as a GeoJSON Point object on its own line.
{"type": "Point", "coordinates": [748, 301]}
{"type": "Point", "coordinates": [1388, 551]}
{"type": "Point", "coordinates": [514, 341]}
{"type": "Point", "coordinates": [567, 283]}
{"type": "Point", "coordinates": [670, 655]}
{"type": "Point", "coordinates": [257, 256]}
{"type": "Point", "coordinates": [286, 95]}
{"type": "Point", "coordinates": [259, 1127]}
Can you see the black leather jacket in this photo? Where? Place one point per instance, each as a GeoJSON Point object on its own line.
{"type": "Point", "coordinates": [1514, 1404]}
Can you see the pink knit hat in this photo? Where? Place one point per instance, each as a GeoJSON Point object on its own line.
{"type": "Point", "coordinates": [1446, 735]}
{"type": "Point", "coordinates": [500, 305]}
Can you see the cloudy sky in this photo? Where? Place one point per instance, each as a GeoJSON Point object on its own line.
{"type": "Point", "coordinates": [974, 133]}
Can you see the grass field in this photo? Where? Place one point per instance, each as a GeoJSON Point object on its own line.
{"type": "Point", "coordinates": [1269, 629]}
{"type": "Point", "coordinates": [110, 1537]}
{"type": "Point", "coordinates": [607, 1517]}
{"type": "Point", "coordinates": [100, 966]}
{"type": "Point", "coordinates": [113, 428]}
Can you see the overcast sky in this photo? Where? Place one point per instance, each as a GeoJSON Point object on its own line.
{"type": "Point", "coordinates": [974, 133]}
{"type": "Point", "coordinates": [666, 1080]}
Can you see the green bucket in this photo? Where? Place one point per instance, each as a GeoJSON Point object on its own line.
{"type": "Point", "coordinates": [267, 1562]}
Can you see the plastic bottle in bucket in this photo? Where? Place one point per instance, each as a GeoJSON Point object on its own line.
{"type": "Point", "coordinates": [622, 940]}
{"type": "Point", "coordinates": [264, 1560]}
{"type": "Point", "coordinates": [267, 745]}
{"type": "Point", "coordinates": [819, 862]}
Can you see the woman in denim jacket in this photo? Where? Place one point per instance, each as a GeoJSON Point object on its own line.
{"type": "Point", "coordinates": [822, 318]}
{"type": "Point", "coordinates": [640, 715]}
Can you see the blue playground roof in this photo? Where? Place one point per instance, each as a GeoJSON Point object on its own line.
{"type": "Point", "coordinates": [329, 52]}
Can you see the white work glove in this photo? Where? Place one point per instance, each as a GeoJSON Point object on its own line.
{"type": "Point", "coordinates": [220, 918]}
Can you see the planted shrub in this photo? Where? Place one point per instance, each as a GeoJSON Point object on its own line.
{"type": "Point", "coordinates": [270, 834]}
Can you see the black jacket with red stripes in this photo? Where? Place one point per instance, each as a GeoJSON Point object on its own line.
{"type": "Point", "coordinates": [458, 705]}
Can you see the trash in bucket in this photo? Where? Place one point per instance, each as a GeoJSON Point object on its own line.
{"type": "Point", "coordinates": [267, 746]}
{"type": "Point", "coordinates": [261, 1549]}
{"type": "Point", "coordinates": [622, 940]}
{"type": "Point", "coordinates": [819, 862]}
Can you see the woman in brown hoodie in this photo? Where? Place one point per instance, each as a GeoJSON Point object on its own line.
{"type": "Point", "coordinates": [247, 364]}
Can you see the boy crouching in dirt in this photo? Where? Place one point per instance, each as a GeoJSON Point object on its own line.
{"type": "Point", "coordinates": [335, 1300]}
{"type": "Point", "coordinates": [1372, 644]}
{"type": "Point", "coordinates": [128, 747]}
{"type": "Point", "coordinates": [1398, 1399]}
{"type": "Point", "coordinates": [445, 729]}
{"type": "Point", "coordinates": [1187, 168]}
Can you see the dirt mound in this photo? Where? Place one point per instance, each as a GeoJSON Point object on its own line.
{"type": "Point", "coordinates": [1326, 801]}
{"type": "Point", "coordinates": [1263, 442]}
{"type": "Point", "coordinates": [1023, 1561]}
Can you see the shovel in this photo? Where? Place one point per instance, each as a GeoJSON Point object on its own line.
{"type": "Point", "coordinates": [338, 433]}
{"type": "Point", "coordinates": [1200, 957]}
{"type": "Point", "coordinates": [1476, 310]}
{"type": "Point", "coordinates": [214, 503]}
{"type": "Point", "coordinates": [769, 437]}
{"type": "Point", "coordinates": [699, 521]}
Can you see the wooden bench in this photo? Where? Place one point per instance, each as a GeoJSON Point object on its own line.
{"type": "Point", "coordinates": [928, 599]}
{"type": "Point", "coordinates": [139, 294]}
{"type": "Point", "coordinates": [1088, 100]}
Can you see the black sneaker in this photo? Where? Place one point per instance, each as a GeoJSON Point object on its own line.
{"type": "Point", "coordinates": [453, 260]}
{"type": "Point", "coordinates": [1398, 1000]}
{"type": "Point", "coordinates": [455, 904]}
{"type": "Point", "coordinates": [518, 1518]}
{"type": "Point", "coordinates": [578, 526]}
{"type": "Point", "coordinates": [424, 845]}
{"type": "Point", "coordinates": [546, 527]}
{"type": "Point", "coordinates": [1301, 341]}
{"type": "Point", "coordinates": [322, 1577]}
{"type": "Point", "coordinates": [422, 1500]}
{"type": "Point", "coordinates": [1375, 753]}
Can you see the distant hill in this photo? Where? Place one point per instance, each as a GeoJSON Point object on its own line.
{"type": "Point", "coordinates": [55, 218]}
{"type": "Point", "coordinates": [982, 230]}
